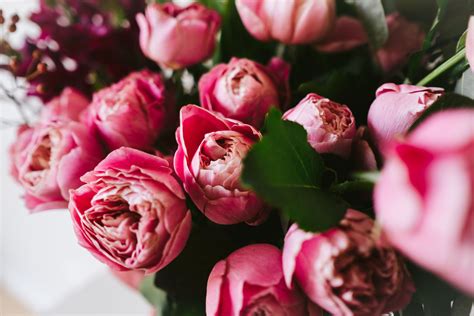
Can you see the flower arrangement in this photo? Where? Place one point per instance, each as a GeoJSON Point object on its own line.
{"type": "Point", "coordinates": [261, 157]}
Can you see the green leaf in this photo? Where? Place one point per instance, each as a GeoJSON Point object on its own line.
{"type": "Point", "coordinates": [461, 42]}
{"type": "Point", "coordinates": [286, 172]}
{"type": "Point", "coordinates": [372, 15]}
{"type": "Point", "coordinates": [445, 102]}
{"type": "Point", "coordinates": [462, 306]}
{"type": "Point", "coordinates": [155, 296]}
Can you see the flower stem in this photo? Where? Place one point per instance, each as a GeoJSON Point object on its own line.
{"type": "Point", "coordinates": [459, 56]}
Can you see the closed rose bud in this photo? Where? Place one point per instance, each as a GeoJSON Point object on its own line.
{"type": "Point", "coordinates": [330, 125]}
{"type": "Point", "coordinates": [132, 112]}
{"type": "Point", "coordinates": [49, 159]}
{"type": "Point", "coordinates": [69, 105]}
{"type": "Point", "coordinates": [177, 37]}
{"type": "Point", "coordinates": [250, 282]}
{"type": "Point", "coordinates": [290, 22]}
{"type": "Point", "coordinates": [209, 162]}
{"type": "Point", "coordinates": [245, 90]}
{"type": "Point", "coordinates": [425, 196]}
{"type": "Point", "coordinates": [396, 108]}
{"type": "Point", "coordinates": [348, 33]}
{"type": "Point", "coordinates": [131, 212]}
{"type": "Point", "coordinates": [470, 43]}
{"type": "Point", "coordinates": [347, 270]}
{"type": "Point", "coordinates": [362, 155]}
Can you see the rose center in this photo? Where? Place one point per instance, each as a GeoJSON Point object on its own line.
{"type": "Point", "coordinates": [336, 119]}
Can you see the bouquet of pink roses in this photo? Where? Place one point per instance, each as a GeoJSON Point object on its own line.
{"type": "Point", "coordinates": [258, 157]}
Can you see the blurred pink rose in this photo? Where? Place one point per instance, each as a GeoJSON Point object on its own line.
{"type": "Point", "coordinates": [245, 90]}
{"type": "Point", "coordinates": [348, 33]}
{"type": "Point", "coordinates": [177, 37]}
{"type": "Point", "coordinates": [250, 282]}
{"type": "Point", "coordinates": [425, 196]}
{"type": "Point", "coordinates": [48, 160]}
{"type": "Point", "coordinates": [209, 162]}
{"type": "Point", "coordinates": [69, 105]}
{"type": "Point", "coordinates": [330, 125]}
{"type": "Point", "coordinates": [470, 42]}
{"type": "Point", "coordinates": [132, 112]}
{"type": "Point", "coordinates": [347, 270]}
{"type": "Point", "coordinates": [396, 108]}
{"type": "Point", "coordinates": [131, 212]}
{"type": "Point", "coordinates": [289, 21]}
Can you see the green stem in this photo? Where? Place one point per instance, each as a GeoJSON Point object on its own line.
{"type": "Point", "coordinates": [370, 176]}
{"type": "Point", "coordinates": [459, 56]}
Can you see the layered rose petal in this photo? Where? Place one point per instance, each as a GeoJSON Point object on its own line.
{"type": "Point", "coordinates": [209, 162]}
{"type": "Point", "coordinates": [330, 125]}
{"type": "Point", "coordinates": [131, 214]}
{"type": "Point", "coordinates": [347, 270]}
{"type": "Point", "coordinates": [69, 106]}
{"type": "Point", "coordinates": [424, 199]}
{"type": "Point", "coordinates": [348, 33]}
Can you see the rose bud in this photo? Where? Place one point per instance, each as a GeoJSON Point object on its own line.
{"type": "Point", "coordinates": [470, 42]}
{"type": "Point", "coordinates": [348, 33]}
{"type": "Point", "coordinates": [49, 159]}
{"type": "Point", "coordinates": [362, 155]}
{"type": "Point", "coordinates": [424, 197]}
{"type": "Point", "coordinates": [330, 125]}
{"type": "Point", "coordinates": [245, 90]}
{"type": "Point", "coordinates": [396, 108]}
{"type": "Point", "coordinates": [347, 270]}
{"type": "Point", "coordinates": [177, 37]}
{"type": "Point", "coordinates": [132, 112]}
{"type": "Point", "coordinates": [131, 212]}
{"type": "Point", "coordinates": [209, 162]}
{"type": "Point", "coordinates": [290, 22]}
{"type": "Point", "coordinates": [69, 105]}
{"type": "Point", "coordinates": [250, 282]}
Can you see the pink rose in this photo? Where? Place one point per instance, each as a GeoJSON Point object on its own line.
{"type": "Point", "coordinates": [131, 212]}
{"type": "Point", "coordinates": [245, 90]}
{"type": "Point", "coordinates": [69, 105]}
{"type": "Point", "coordinates": [424, 198]}
{"type": "Point", "coordinates": [470, 43]}
{"type": "Point", "coordinates": [330, 125]}
{"type": "Point", "coordinates": [396, 108]}
{"type": "Point", "coordinates": [17, 150]}
{"type": "Point", "coordinates": [290, 22]}
{"type": "Point", "coordinates": [362, 155]}
{"type": "Point", "coordinates": [132, 112]}
{"type": "Point", "coordinates": [132, 278]}
{"type": "Point", "coordinates": [209, 162]}
{"type": "Point", "coordinates": [49, 159]}
{"type": "Point", "coordinates": [250, 282]}
{"type": "Point", "coordinates": [177, 37]}
{"type": "Point", "coordinates": [347, 270]}
{"type": "Point", "coordinates": [348, 33]}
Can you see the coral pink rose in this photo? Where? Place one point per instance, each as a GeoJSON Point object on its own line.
{"type": "Point", "coordinates": [245, 90]}
{"type": "Point", "coordinates": [250, 282]}
{"type": "Point", "coordinates": [348, 33]}
{"type": "Point", "coordinates": [396, 108]}
{"type": "Point", "coordinates": [69, 106]}
{"type": "Point", "coordinates": [177, 37]}
{"type": "Point", "coordinates": [131, 212]}
{"type": "Point", "coordinates": [132, 112]}
{"type": "Point", "coordinates": [48, 160]}
{"type": "Point", "coordinates": [470, 43]}
{"type": "Point", "coordinates": [289, 21]}
{"type": "Point", "coordinates": [347, 270]}
{"type": "Point", "coordinates": [330, 125]}
{"type": "Point", "coordinates": [209, 162]}
{"type": "Point", "coordinates": [425, 196]}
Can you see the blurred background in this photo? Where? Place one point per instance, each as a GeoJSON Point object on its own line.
{"type": "Point", "coordinates": [43, 271]}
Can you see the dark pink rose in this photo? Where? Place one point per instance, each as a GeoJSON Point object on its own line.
{"type": "Point", "coordinates": [290, 22]}
{"type": "Point", "coordinates": [132, 112]}
{"type": "Point", "coordinates": [69, 106]}
{"type": "Point", "coordinates": [348, 33]}
{"type": "Point", "coordinates": [347, 270]}
{"type": "Point", "coordinates": [250, 282]}
{"type": "Point", "coordinates": [49, 159]}
{"type": "Point", "coordinates": [245, 90]}
{"type": "Point", "coordinates": [424, 199]}
{"type": "Point", "coordinates": [131, 212]}
{"type": "Point", "coordinates": [330, 125]}
{"type": "Point", "coordinates": [470, 43]}
{"type": "Point", "coordinates": [177, 37]}
{"type": "Point", "coordinates": [209, 162]}
{"type": "Point", "coordinates": [396, 108]}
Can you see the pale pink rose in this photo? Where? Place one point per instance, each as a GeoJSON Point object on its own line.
{"type": "Point", "coordinates": [17, 150]}
{"type": "Point", "coordinates": [131, 212]}
{"type": "Point", "coordinates": [49, 159]}
{"type": "Point", "coordinates": [250, 282]}
{"type": "Point", "coordinates": [69, 105]}
{"type": "Point", "coordinates": [132, 112]}
{"type": "Point", "coordinates": [209, 162]}
{"type": "Point", "coordinates": [348, 33]}
{"type": "Point", "coordinates": [245, 90]}
{"type": "Point", "coordinates": [425, 196]}
{"type": "Point", "coordinates": [330, 125]}
{"type": "Point", "coordinates": [177, 37]}
{"type": "Point", "coordinates": [347, 270]}
{"type": "Point", "coordinates": [289, 21]}
{"type": "Point", "coordinates": [470, 42]}
{"type": "Point", "coordinates": [396, 108]}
